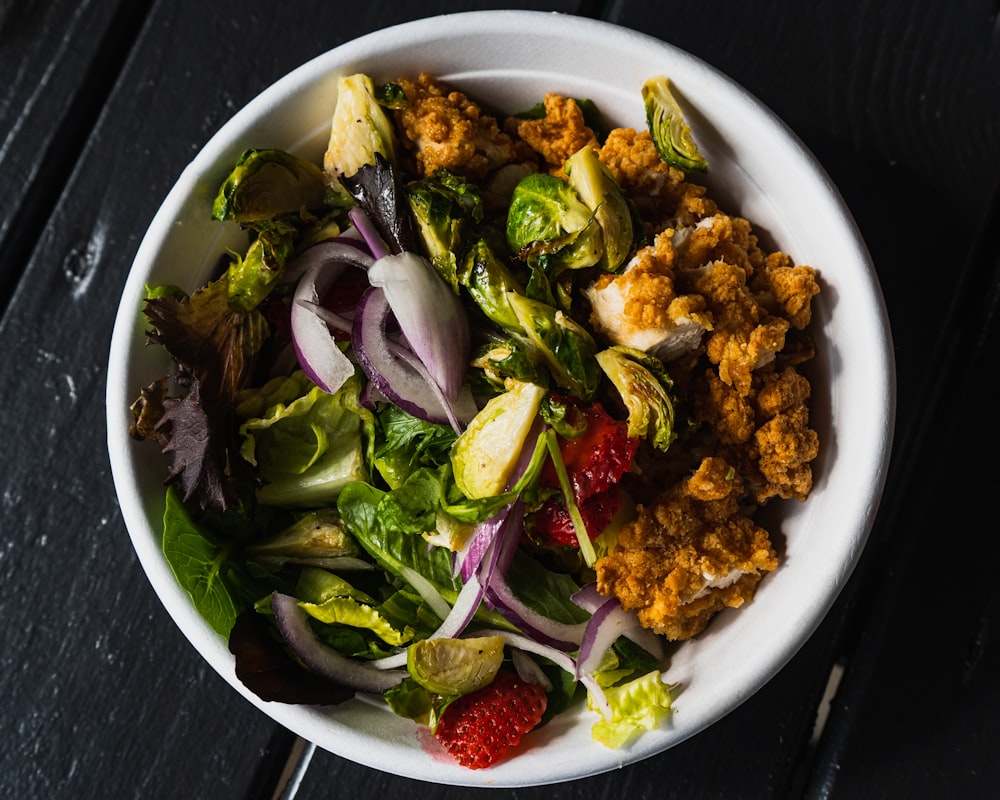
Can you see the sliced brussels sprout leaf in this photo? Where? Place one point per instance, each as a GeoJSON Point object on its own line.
{"type": "Point", "coordinates": [669, 129]}
{"type": "Point", "coordinates": [485, 455]}
{"type": "Point", "coordinates": [445, 210]}
{"type": "Point", "coordinates": [599, 191]}
{"type": "Point", "coordinates": [268, 183]}
{"type": "Point", "coordinates": [451, 667]}
{"type": "Point", "coordinates": [252, 276]}
{"type": "Point", "coordinates": [318, 534]}
{"type": "Point", "coordinates": [489, 281]}
{"type": "Point", "coordinates": [360, 128]}
{"type": "Point", "coordinates": [563, 417]}
{"type": "Point", "coordinates": [547, 217]}
{"type": "Point", "coordinates": [568, 349]}
{"type": "Point", "coordinates": [647, 391]}
{"type": "Point", "coordinates": [513, 358]}
{"type": "Point", "coordinates": [391, 95]}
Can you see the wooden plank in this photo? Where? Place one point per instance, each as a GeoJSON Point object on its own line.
{"type": "Point", "coordinates": [918, 713]}
{"type": "Point", "coordinates": [57, 70]}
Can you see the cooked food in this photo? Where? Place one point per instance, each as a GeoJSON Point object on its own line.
{"type": "Point", "coordinates": [483, 414]}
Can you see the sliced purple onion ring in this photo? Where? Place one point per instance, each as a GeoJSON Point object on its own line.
{"type": "Point", "coordinates": [589, 599]}
{"type": "Point", "coordinates": [606, 624]}
{"type": "Point", "coordinates": [396, 373]}
{"type": "Point", "coordinates": [430, 315]}
{"type": "Point", "coordinates": [293, 623]}
{"type": "Point", "coordinates": [316, 349]}
{"type": "Point", "coordinates": [348, 247]}
{"type": "Point", "coordinates": [492, 569]}
{"type": "Point", "coordinates": [364, 226]}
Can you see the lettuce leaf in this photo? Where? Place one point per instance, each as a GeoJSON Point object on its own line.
{"type": "Point", "coordinates": [309, 449]}
{"type": "Point", "coordinates": [637, 706]}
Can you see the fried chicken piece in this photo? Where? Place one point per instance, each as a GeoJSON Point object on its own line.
{"type": "Point", "coordinates": [661, 195]}
{"type": "Point", "coordinates": [557, 135]}
{"type": "Point", "coordinates": [688, 555]}
{"type": "Point", "coordinates": [765, 433]}
{"type": "Point", "coordinates": [719, 237]}
{"type": "Point", "coordinates": [785, 443]}
{"type": "Point", "coordinates": [786, 290]}
{"type": "Point", "coordinates": [446, 129]}
{"type": "Point", "coordinates": [639, 307]}
{"type": "Point", "coordinates": [745, 337]}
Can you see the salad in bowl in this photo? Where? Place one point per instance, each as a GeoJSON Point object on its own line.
{"type": "Point", "coordinates": [479, 419]}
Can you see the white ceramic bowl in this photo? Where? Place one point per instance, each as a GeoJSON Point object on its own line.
{"type": "Point", "coordinates": [758, 169]}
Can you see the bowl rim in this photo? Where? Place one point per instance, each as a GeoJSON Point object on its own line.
{"type": "Point", "coordinates": [390, 750]}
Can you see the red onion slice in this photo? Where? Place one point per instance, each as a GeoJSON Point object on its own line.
{"type": "Point", "coordinates": [606, 624]}
{"type": "Point", "coordinates": [363, 225]}
{"type": "Point", "coordinates": [293, 623]}
{"type": "Point", "coordinates": [394, 374]}
{"type": "Point", "coordinates": [492, 570]}
{"type": "Point", "coordinates": [348, 247]}
{"type": "Point", "coordinates": [589, 599]}
{"type": "Point", "coordinates": [316, 349]}
{"type": "Point", "coordinates": [430, 315]}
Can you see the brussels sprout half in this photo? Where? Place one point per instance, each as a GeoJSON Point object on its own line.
{"type": "Point", "coordinates": [547, 217]}
{"type": "Point", "coordinates": [265, 184]}
{"type": "Point", "coordinates": [360, 128]}
{"type": "Point", "coordinates": [599, 191]}
{"type": "Point", "coordinates": [645, 388]}
{"type": "Point", "coordinates": [667, 125]}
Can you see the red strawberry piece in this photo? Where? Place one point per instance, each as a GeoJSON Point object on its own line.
{"type": "Point", "coordinates": [596, 460]}
{"type": "Point", "coordinates": [553, 526]}
{"type": "Point", "coordinates": [480, 727]}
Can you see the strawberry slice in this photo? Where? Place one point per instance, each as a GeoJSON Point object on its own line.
{"type": "Point", "coordinates": [480, 727]}
{"type": "Point", "coordinates": [553, 526]}
{"type": "Point", "coordinates": [596, 460]}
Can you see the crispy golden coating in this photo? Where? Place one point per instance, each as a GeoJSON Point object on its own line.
{"type": "Point", "coordinates": [557, 135]}
{"type": "Point", "coordinates": [688, 555]}
{"type": "Point", "coordinates": [765, 432]}
{"type": "Point", "coordinates": [787, 290]}
{"type": "Point", "coordinates": [639, 307]}
{"type": "Point", "coordinates": [446, 129]}
{"type": "Point", "coordinates": [662, 197]}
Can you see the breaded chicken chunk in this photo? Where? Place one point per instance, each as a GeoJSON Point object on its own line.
{"type": "Point", "coordinates": [661, 195]}
{"type": "Point", "coordinates": [688, 555]}
{"type": "Point", "coordinates": [765, 432]}
{"type": "Point", "coordinates": [444, 128]}
{"type": "Point", "coordinates": [785, 289]}
{"type": "Point", "coordinates": [640, 308]}
{"type": "Point", "coordinates": [557, 135]}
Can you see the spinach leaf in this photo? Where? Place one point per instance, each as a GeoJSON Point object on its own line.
{"type": "Point", "coordinates": [217, 586]}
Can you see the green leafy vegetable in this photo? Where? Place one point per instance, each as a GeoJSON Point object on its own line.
{"type": "Point", "coordinates": [646, 389]}
{"type": "Point", "coordinates": [216, 348]}
{"type": "Point", "coordinates": [202, 567]}
{"type": "Point", "coordinates": [669, 129]}
{"type": "Point", "coordinates": [309, 449]}
{"type": "Point", "coordinates": [637, 706]}
{"type": "Point", "coordinates": [265, 184]}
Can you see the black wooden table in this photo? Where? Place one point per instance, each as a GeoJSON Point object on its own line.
{"type": "Point", "coordinates": [101, 106]}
